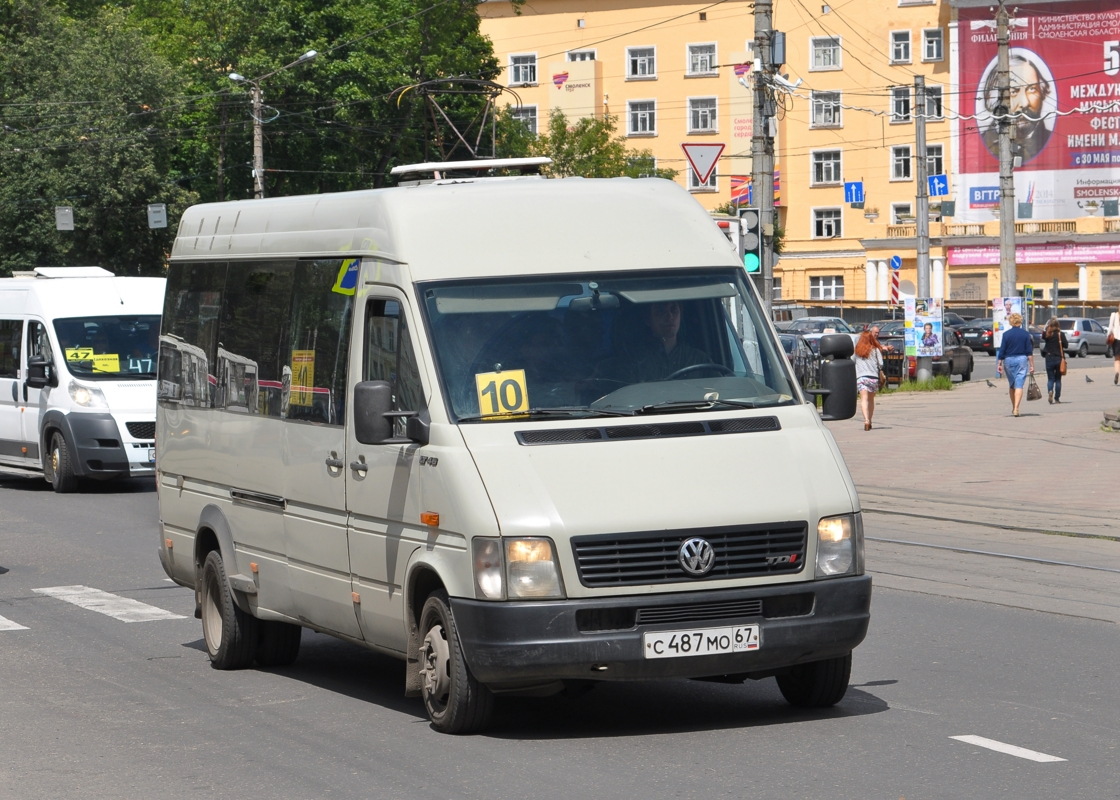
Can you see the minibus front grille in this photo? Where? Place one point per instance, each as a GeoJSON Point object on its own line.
{"type": "Point", "coordinates": [142, 430]}
{"type": "Point", "coordinates": [634, 559]}
{"type": "Point", "coordinates": [599, 619]}
{"type": "Point", "coordinates": [649, 430]}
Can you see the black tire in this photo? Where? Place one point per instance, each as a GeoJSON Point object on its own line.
{"type": "Point", "coordinates": [60, 466]}
{"type": "Point", "coordinates": [456, 702]}
{"type": "Point", "coordinates": [230, 634]}
{"type": "Point", "coordinates": [967, 374]}
{"type": "Point", "coordinates": [1083, 351]}
{"type": "Point", "coordinates": [278, 644]}
{"type": "Point", "coordinates": [820, 684]}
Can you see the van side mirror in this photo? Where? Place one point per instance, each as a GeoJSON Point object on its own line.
{"type": "Point", "coordinates": [40, 373]}
{"type": "Point", "coordinates": [374, 416]}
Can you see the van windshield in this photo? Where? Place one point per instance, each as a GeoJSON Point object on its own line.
{"type": "Point", "coordinates": [610, 344]}
{"type": "Point", "coordinates": [103, 348]}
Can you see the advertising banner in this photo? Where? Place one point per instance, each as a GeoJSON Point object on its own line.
{"type": "Point", "coordinates": [924, 326]}
{"type": "Point", "coordinates": [1064, 107]}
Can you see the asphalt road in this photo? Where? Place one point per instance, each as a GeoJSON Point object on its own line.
{"type": "Point", "coordinates": [966, 641]}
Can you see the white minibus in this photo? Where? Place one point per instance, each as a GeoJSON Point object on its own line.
{"type": "Point", "coordinates": [78, 374]}
{"type": "Point", "coordinates": [522, 433]}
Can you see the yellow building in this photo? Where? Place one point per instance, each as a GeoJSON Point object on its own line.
{"type": "Point", "coordinates": [679, 73]}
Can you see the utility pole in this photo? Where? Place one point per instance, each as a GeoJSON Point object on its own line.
{"type": "Point", "coordinates": [923, 369]}
{"type": "Point", "coordinates": [762, 145]}
{"type": "Point", "coordinates": [1007, 277]}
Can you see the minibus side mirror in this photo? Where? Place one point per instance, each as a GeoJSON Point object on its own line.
{"type": "Point", "coordinates": [374, 416]}
{"type": "Point", "coordinates": [838, 377]}
{"type": "Point", "coordinates": [40, 373]}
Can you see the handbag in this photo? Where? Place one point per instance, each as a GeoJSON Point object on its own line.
{"type": "Point", "coordinates": [1033, 392]}
{"type": "Point", "coordinates": [1062, 365]}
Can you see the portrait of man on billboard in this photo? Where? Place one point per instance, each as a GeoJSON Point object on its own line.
{"type": "Point", "coordinates": [1031, 103]}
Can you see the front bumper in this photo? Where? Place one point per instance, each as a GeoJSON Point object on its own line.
{"type": "Point", "coordinates": [512, 644]}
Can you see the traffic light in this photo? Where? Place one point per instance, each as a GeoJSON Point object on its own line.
{"type": "Point", "coordinates": [750, 239]}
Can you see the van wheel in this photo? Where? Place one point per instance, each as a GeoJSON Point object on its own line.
{"type": "Point", "coordinates": [456, 702]}
{"type": "Point", "coordinates": [278, 645]}
{"type": "Point", "coordinates": [231, 635]}
{"type": "Point", "coordinates": [967, 374]}
{"type": "Point", "coordinates": [817, 685]}
{"type": "Point", "coordinates": [60, 466]}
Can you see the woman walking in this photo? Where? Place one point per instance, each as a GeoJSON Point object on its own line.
{"type": "Point", "coordinates": [1054, 349]}
{"type": "Point", "coordinates": [1015, 358]}
{"type": "Point", "coordinates": [1114, 334]}
{"type": "Point", "coordinates": [869, 363]}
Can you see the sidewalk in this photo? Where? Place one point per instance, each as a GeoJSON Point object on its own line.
{"type": "Point", "coordinates": [961, 456]}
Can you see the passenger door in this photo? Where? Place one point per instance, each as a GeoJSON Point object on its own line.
{"type": "Point", "coordinates": [382, 480]}
{"type": "Point", "coordinates": [12, 442]}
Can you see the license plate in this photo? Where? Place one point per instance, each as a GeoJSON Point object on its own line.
{"type": "Point", "coordinates": [151, 455]}
{"type": "Point", "coordinates": [701, 642]}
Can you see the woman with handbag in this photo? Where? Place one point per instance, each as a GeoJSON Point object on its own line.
{"type": "Point", "coordinates": [1015, 359]}
{"type": "Point", "coordinates": [1113, 341]}
{"type": "Point", "coordinates": [868, 359]}
{"type": "Point", "coordinates": [1054, 349]}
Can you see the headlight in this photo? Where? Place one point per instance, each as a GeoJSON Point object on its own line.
{"type": "Point", "coordinates": [516, 569]}
{"type": "Point", "coordinates": [87, 396]}
{"type": "Point", "coordinates": [840, 546]}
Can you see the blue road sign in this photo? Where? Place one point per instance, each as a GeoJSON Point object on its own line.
{"type": "Point", "coordinates": [938, 185]}
{"type": "Point", "coordinates": [896, 262]}
{"type": "Point", "coordinates": [853, 192]}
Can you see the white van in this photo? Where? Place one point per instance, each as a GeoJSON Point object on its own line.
{"type": "Point", "coordinates": [518, 432]}
{"type": "Point", "coordinates": [78, 374]}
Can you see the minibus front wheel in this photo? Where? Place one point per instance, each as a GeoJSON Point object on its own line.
{"type": "Point", "coordinates": [231, 635]}
{"type": "Point", "coordinates": [819, 684]}
{"type": "Point", "coordinates": [456, 702]}
{"type": "Point", "coordinates": [60, 465]}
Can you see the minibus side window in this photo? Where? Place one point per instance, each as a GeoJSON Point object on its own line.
{"type": "Point", "coordinates": [11, 331]}
{"type": "Point", "coordinates": [390, 356]}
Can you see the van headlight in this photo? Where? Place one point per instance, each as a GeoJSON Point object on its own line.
{"type": "Point", "coordinates": [840, 546]}
{"type": "Point", "coordinates": [516, 569]}
{"type": "Point", "coordinates": [87, 396]}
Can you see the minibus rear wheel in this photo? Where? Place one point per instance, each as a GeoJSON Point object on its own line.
{"type": "Point", "coordinates": [819, 684]}
{"type": "Point", "coordinates": [231, 635]}
{"type": "Point", "coordinates": [456, 702]}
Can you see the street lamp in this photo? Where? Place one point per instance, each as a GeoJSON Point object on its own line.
{"type": "Point", "coordinates": [256, 97]}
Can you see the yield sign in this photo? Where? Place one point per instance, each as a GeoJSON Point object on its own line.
{"type": "Point", "coordinates": [702, 158]}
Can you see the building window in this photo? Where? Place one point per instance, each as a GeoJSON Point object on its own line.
{"type": "Point", "coordinates": [641, 63]}
{"type": "Point", "coordinates": [581, 55]}
{"type": "Point", "coordinates": [900, 163]}
{"type": "Point", "coordinates": [522, 70]}
{"type": "Point", "coordinates": [641, 166]}
{"type": "Point", "coordinates": [702, 115]}
{"type": "Point", "coordinates": [935, 102]}
{"type": "Point", "coordinates": [642, 116]}
{"type": "Point", "coordinates": [776, 293]}
{"type": "Point", "coordinates": [935, 159]}
{"type": "Point", "coordinates": [826, 167]}
{"type": "Point", "coordinates": [527, 116]}
{"type": "Point", "coordinates": [826, 287]}
{"type": "Point", "coordinates": [695, 185]}
{"type": "Point", "coordinates": [826, 223]}
{"type": "Point", "coordinates": [826, 110]}
{"type": "Point", "coordinates": [900, 104]}
{"type": "Point", "coordinates": [901, 213]}
{"type": "Point", "coordinates": [702, 59]}
{"type": "Point", "coordinates": [933, 44]}
{"type": "Point", "coordinates": [826, 53]}
{"type": "Point", "coordinates": [900, 47]}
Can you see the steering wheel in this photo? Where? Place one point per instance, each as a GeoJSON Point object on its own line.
{"type": "Point", "coordinates": [680, 373]}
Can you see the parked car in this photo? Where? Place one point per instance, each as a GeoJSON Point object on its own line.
{"type": "Point", "coordinates": [1083, 336]}
{"type": "Point", "coordinates": [977, 334]}
{"type": "Point", "coordinates": [1036, 335]}
{"type": "Point", "coordinates": [953, 319]}
{"type": "Point", "coordinates": [821, 325]}
{"type": "Point", "coordinates": [803, 358]}
{"type": "Point", "coordinates": [955, 359]}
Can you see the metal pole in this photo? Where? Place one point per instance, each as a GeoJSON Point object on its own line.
{"type": "Point", "coordinates": [258, 142]}
{"type": "Point", "coordinates": [762, 148]}
{"type": "Point", "coordinates": [923, 368]}
{"type": "Point", "coordinates": [1007, 276]}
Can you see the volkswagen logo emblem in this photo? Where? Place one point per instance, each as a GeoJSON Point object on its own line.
{"type": "Point", "coordinates": [697, 556]}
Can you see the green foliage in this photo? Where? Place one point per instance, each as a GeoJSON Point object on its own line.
{"type": "Point", "coordinates": [939, 383]}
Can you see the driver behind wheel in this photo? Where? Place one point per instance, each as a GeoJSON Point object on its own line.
{"type": "Point", "coordinates": [659, 353]}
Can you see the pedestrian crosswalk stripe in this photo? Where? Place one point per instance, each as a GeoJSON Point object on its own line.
{"type": "Point", "coordinates": [115, 606]}
{"type": "Point", "coordinates": [7, 625]}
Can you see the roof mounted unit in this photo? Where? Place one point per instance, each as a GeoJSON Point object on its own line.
{"type": "Point", "coordinates": [72, 272]}
{"type": "Point", "coordinates": [451, 170]}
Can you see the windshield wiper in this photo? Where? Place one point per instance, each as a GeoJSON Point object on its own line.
{"type": "Point", "coordinates": [703, 405]}
{"type": "Point", "coordinates": [582, 412]}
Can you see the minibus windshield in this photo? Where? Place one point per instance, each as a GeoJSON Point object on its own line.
{"type": "Point", "coordinates": [608, 344]}
{"type": "Point", "coordinates": [110, 347]}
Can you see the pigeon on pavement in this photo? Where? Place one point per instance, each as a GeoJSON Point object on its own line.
{"type": "Point", "coordinates": [990, 384]}
{"type": "Point", "coordinates": [1088, 379]}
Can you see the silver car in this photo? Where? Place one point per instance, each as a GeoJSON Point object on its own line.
{"type": "Point", "coordinates": [1083, 336]}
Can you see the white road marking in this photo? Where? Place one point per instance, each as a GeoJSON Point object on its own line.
{"type": "Point", "coordinates": [1009, 749]}
{"type": "Point", "coordinates": [7, 625]}
{"type": "Point", "coordinates": [111, 605]}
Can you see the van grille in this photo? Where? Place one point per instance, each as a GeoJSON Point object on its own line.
{"type": "Point", "coordinates": [141, 430]}
{"type": "Point", "coordinates": [653, 430]}
{"type": "Point", "coordinates": [634, 559]}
